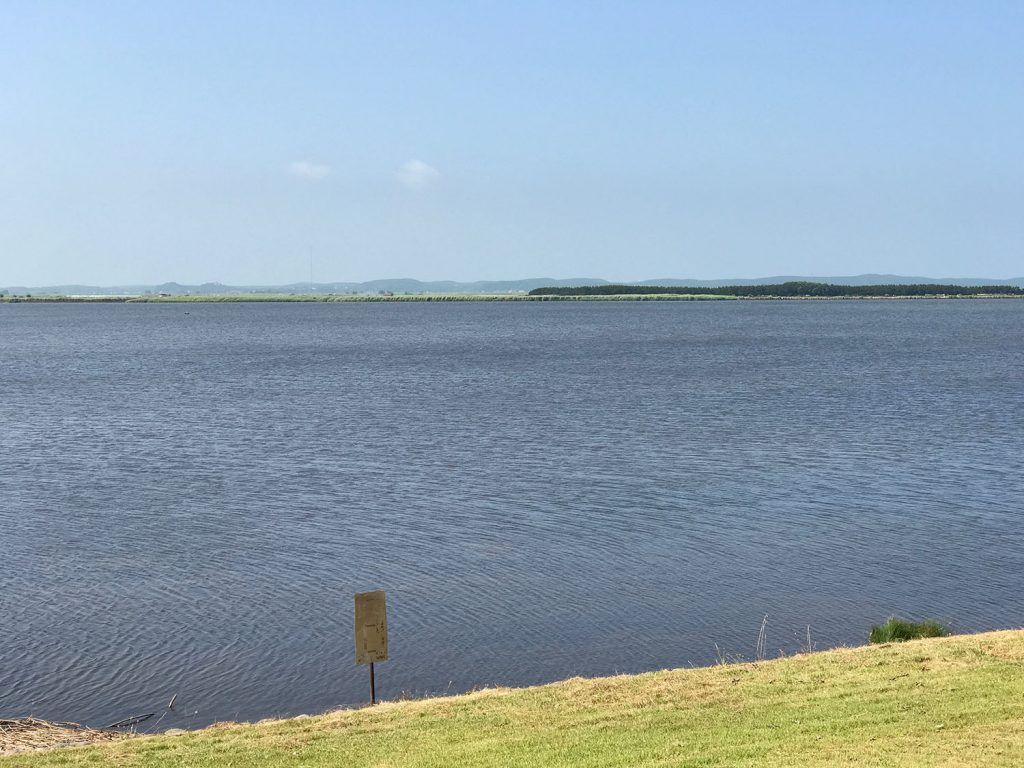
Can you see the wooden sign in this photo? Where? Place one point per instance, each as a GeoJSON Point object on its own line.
{"type": "Point", "coordinates": [371, 627]}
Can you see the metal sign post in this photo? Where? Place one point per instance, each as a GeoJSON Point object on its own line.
{"type": "Point", "coordinates": [371, 632]}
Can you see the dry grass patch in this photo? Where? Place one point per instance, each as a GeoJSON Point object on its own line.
{"type": "Point", "coordinates": [29, 734]}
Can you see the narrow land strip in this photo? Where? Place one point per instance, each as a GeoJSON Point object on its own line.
{"type": "Point", "coordinates": [465, 297]}
{"type": "Point", "coordinates": [345, 298]}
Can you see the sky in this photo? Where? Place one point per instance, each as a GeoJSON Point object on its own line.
{"type": "Point", "coordinates": [241, 142]}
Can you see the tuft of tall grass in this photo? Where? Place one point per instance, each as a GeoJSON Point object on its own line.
{"type": "Point", "coordinates": [896, 630]}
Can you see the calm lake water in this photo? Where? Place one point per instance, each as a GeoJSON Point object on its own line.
{"type": "Point", "coordinates": [190, 495]}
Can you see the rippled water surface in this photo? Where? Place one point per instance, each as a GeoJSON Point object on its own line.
{"type": "Point", "coordinates": [190, 495]}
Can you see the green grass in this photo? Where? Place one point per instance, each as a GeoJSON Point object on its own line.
{"type": "Point", "coordinates": [897, 630]}
{"type": "Point", "coordinates": [954, 701]}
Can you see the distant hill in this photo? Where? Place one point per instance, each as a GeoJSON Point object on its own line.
{"type": "Point", "coordinates": [408, 285]}
{"type": "Point", "coordinates": [395, 285]}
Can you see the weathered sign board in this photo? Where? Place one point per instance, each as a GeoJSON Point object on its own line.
{"type": "Point", "coordinates": [371, 627]}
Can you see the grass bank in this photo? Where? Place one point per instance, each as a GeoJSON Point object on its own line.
{"type": "Point", "coordinates": [955, 701]}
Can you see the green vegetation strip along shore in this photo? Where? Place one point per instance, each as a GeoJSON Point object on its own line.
{"type": "Point", "coordinates": [796, 289]}
{"type": "Point", "coordinates": [954, 701]}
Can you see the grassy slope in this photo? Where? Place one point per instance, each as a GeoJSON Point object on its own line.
{"type": "Point", "coordinates": [942, 702]}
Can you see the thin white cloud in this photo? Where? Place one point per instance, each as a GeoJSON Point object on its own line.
{"type": "Point", "coordinates": [304, 169]}
{"type": "Point", "coordinates": [416, 174]}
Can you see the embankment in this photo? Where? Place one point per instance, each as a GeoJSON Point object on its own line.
{"type": "Point", "coordinates": [948, 701]}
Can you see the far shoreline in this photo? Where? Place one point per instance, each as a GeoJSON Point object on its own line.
{"type": "Point", "coordinates": [454, 297]}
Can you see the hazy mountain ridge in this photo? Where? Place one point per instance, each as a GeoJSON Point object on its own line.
{"type": "Point", "coordinates": [409, 285]}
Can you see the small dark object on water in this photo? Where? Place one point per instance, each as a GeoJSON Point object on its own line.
{"type": "Point", "coordinates": [128, 721]}
{"type": "Point", "coordinates": [897, 630]}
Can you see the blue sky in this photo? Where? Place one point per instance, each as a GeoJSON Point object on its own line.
{"type": "Point", "coordinates": [143, 142]}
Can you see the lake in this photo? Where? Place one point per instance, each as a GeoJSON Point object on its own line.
{"type": "Point", "coordinates": [191, 494]}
